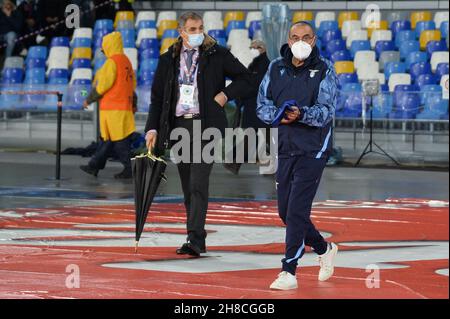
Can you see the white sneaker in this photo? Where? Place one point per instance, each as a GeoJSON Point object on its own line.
{"type": "Point", "coordinates": [326, 262]}
{"type": "Point", "coordinates": [285, 281]}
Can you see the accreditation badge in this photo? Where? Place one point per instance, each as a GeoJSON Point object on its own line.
{"type": "Point", "coordinates": [187, 96]}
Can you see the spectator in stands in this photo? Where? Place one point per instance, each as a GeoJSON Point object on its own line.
{"type": "Point", "coordinates": [50, 13]}
{"type": "Point", "coordinates": [306, 86]}
{"type": "Point", "coordinates": [10, 26]}
{"type": "Point", "coordinates": [258, 68]}
{"type": "Point", "coordinates": [189, 89]}
{"type": "Point", "coordinates": [29, 11]}
{"type": "Point", "coordinates": [114, 86]}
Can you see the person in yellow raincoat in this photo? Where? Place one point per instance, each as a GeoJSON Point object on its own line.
{"type": "Point", "coordinates": [113, 87]}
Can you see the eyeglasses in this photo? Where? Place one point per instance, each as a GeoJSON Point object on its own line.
{"type": "Point", "coordinates": [306, 38]}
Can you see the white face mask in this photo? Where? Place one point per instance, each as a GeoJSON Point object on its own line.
{"type": "Point", "coordinates": [301, 50]}
{"type": "Point", "coordinates": [254, 52]}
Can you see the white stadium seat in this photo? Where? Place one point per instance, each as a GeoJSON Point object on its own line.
{"type": "Point", "coordinates": [363, 57]}
{"type": "Point", "coordinates": [356, 35]}
{"type": "Point", "coordinates": [252, 16]}
{"type": "Point", "coordinates": [145, 16]}
{"type": "Point", "coordinates": [145, 34]}
{"type": "Point", "coordinates": [349, 26]}
{"type": "Point", "coordinates": [399, 79]}
{"type": "Point", "coordinates": [166, 15]}
{"type": "Point", "coordinates": [380, 35]}
{"type": "Point", "coordinates": [324, 16]}
{"type": "Point", "coordinates": [440, 17]}
{"type": "Point", "coordinates": [81, 74]}
{"type": "Point", "coordinates": [438, 57]}
{"type": "Point", "coordinates": [132, 55]}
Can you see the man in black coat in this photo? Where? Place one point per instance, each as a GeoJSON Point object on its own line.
{"type": "Point", "coordinates": [189, 88]}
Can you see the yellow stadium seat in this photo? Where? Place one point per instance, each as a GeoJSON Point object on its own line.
{"type": "Point", "coordinates": [347, 15]}
{"type": "Point", "coordinates": [166, 25]}
{"type": "Point", "coordinates": [166, 43]}
{"type": "Point", "coordinates": [379, 25]}
{"type": "Point", "coordinates": [233, 15]}
{"type": "Point", "coordinates": [124, 15]}
{"type": "Point", "coordinates": [344, 67]}
{"type": "Point", "coordinates": [427, 36]}
{"type": "Point", "coordinates": [81, 53]}
{"type": "Point", "coordinates": [417, 16]}
{"type": "Point", "coordinates": [302, 16]}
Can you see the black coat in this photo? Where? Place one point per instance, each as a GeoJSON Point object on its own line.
{"type": "Point", "coordinates": [258, 68]}
{"type": "Point", "coordinates": [216, 63]}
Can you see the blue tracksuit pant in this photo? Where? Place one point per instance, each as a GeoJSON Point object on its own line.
{"type": "Point", "coordinates": [298, 178]}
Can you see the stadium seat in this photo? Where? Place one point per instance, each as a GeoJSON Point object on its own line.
{"type": "Point", "coordinates": [14, 62]}
{"type": "Point", "coordinates": [363, 57]}
{"type": "Point", "coordinates": [423, 26]}
{"type": "Point", "coordinates": [81, 74]}
{"type": "Point", "coordinates": [123, 16]}
{"type": "Point", "coordinates": [400, 25]}
{"type": "Point", "coordinates": [12, 75]}
{"type": "Point", "coordinates": [438, 57]}
{"type": "Point", "coordinates": [146, 34]}
{"type": "Point", "coordinates": [404, 35]}
{"type": "Point", "coordinates": [388, 56]}
{"type": "Point", "coordinates": [417, 16]}
{"type": "Point", "coordinates": [343, 55]}
{"type": "Point", "coordinates": [382, 105]}
{"type": "Point", "coordinates": [132, 54]}
{"type": "Point", "coordinates": [81, 43]}
{"type": "Point", "coordinates": [218, 33]}
{"type": "Point", "coordinates": [149, 44]}
{"type": "Point", "coordinates": [347, 15]}
{"type": "Point", "coordinates": [81, 53]}
{"type": "Point", "coordinates": [344, 67]}
{"type": "Point", "coordinates": [58, 73]}
{"type": "Point", "coordinates": [254, 26]}
{"type": "Point", "coordinates": [380, 35]}
{"type": "Point", "coordinates": [427, 36]}
{"type": "Point", "coordinates": [356, 35]}
{"type": "Point", "coordinates": [441, 69]}
{"type": "Point", "coordinates": [322, 16]}
{"type": "Point", "coordinates": [252, 16]}
{"type": "Point", "coordinates": [394, 67]}
{"type": "Point", "coordinates": [35, 63]}
{"type": "Point", "coordinates": [149, 64]}
{"type": "Point", "coordinates": [393, 15]}
{"type": "Point", "coordinates": [59, 58]}
{"type": "Point", "coordinates": [81, 63]}
{"type": "Point", "coordinates": [35, 76]}
{"type": "Point", "coordinates": [149, 53]}
{"type": "Point", "coordinates": [146, 24]}
{"type": "Point", "coordinates": [222, 42]}
{"type": "Point", "coordinates": [398, 79]}
{"type": "Point", "coordinates": [345, 78]}
{"type": "Point", "coordinates": [128, 38]}
{"type": "Point", "coordinates": [302, 16]}
{"type": "Point", "coordinates": [76, 95]}
{"type": "Point", "coordinates": [166, 15]}
{"type": "Point", "coordinates": [414, 57]}
{"type": "Point", "coordinates": [439, 17]}
{"type": "Point", "coordinates": [359, 46]}
{"type": "Point", "coordinates": [349, 26]}
{"type": "Point", "coordinates": [429, 90]}
{"type": "Point", "coordinates": [382, 46]}
{"type": "Point", "coordinates": [444, 30]}
{"type": "Point", "coordinates": [326, 26]}
{"type": "Point", "coordinates": [98, 63]}
{"type": "Point", "coordinates": [419, 68]}
{"type": "Point", "coordinates": [435, 46]}
{"type": "Point", "coordinates": [330, 35]}
{"type": "Point", "coordinates": [60, 42]}
{"type": "Point", "coordinates": [82, 33]}
{"type": "Point", "coordinates": [333, 46]}
{"type": "Point", "coordinates": [166, 43]}
{"type": "Point", "coordinates": [235, 25]}
{"type": "Point", "coordinates": [125, 25]}
{"type": "Point", "coordinates": [104, 25]}
{"type": "Point", "coordinates": [380, 25]}
{"type": "Point", "coordinates": [170, 33]}
{"type": "Point", "coordinates": [368, 71]}
{"type": "Point", "coordinates": [233, 16]}
{"type": "Point", "coordinates": [166, 25]}
{"type": "Point", "coordinates": [406, 47]}
{"type": "Point", "coordinates": [424, 79]}
{"type": "Point", "coordinates": [145, 16]}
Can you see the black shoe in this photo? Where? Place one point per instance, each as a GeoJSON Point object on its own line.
{"type": "Point", "coordinates": [125, 174]}
{"type": "Point", "coordinates": [189, 249]}
{"type": "Point", "coordinates": [232, 167]}
{"type": "Point", "coordinates": [89, 170]}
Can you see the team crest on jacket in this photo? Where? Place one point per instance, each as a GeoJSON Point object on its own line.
{"type": "Point", "coordinates": [312, 73]}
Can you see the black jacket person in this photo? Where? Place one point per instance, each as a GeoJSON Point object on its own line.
{"type": "Point", "coordinates": [211, 64]}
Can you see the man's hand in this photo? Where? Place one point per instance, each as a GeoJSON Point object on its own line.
{"type": "Point", "coordinates": [150, 139]}
{"type": "Point", "coordinates": [291, 116]}
{"type": "Point", "coordinates": [221, 99]}
{"type": "Point", "coordinates": [85, 105]}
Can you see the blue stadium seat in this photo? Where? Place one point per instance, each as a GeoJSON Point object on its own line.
{"type": "Point", "coordinates": [170, 33]}
{"type": "Point", "coordinates": [82, 82]}
{"type": "Point", "coordinates": [81, 63]}
{"type": "Point", "coordinates": [381, 46]}
{"type": "Point", "coordinates": [222, 42]}
{"type": "Point", "coordinates": [37, 52]}
{"type": "Point", "coordinates": [76, 95]}
{"type": "Point", "coordinates": [345, 78]}
{"type": "Point", "coordinates": [382, 105]}
{"type": "Point", "coordinates": [435, 107]}
{"type": "Point", "coordinates": [254, 26]}
{"type": "Point", "coordinates": [407, 47]}
{"type": "Point", "coordinates": [217, 33]}
{"type": "Point", "coordinates": [12, 76]}
{"type": "Point", "coordinates": [149, 44]}
{"type": "Point", "coordinates": [147, 24]}
{"type": "Point", "coordinates": [393, 67]}
{"type": "Point", "coordinates": [98, 64]}
{"type": "Point", "coordinates": [58, 73]}
{"type": "Point", "coordinates": [35, 76]}
{"type": "Point", "coordinates": [384, 87]}
{"type": "Point", "coordinates": [343, 55]}
{"type": "Point", "coordinates": [441, 69]}
{"type": "Point", "coordinates": [425, 79]}
{"type": "Point", "coordinates": [144, 95]}
{"type": "Point", "coordinates": [8, 102]}
{"type": "Point", "coordinates": [333, 46]}
{"type": "Point", "coordinates": [404, 35]}
{"type": "Point", "coordinates": [444, 29]}
{"type": "Point", "coordinates": [104, 24]}
{"type": "Point", "coordinates": [150, 53]}
{"type": "Point", "coordinates": [128, 38]}
{"type": "Point", "coordinates": [433, 46]}
{"type": "Point", "coordinates": [424, 25]}
{"type": "Point", "coordinates": [233, 24]}
{"type": "Point", "coordinates": [429, 90]}
{"type": "Point", "coordinates": [34, 63]}
{"type": "Point", "coordinates": [359, 45]}
{"type": "Point", "coordinates": [414, 57]}
{"type": "Point", "coordinates": [406, 107]}
{"type": "Point", "coordinates": [125, 25]}
{"type": "Point", "coordinates": [331, 35]}
{"type": "Point", "coordinates": [60, 42]}
{"type": "Point", "coordinates": [81, 43]}
{"type": "Point", "coordinates": [419, 68]}
{"type": "Point", "coordinates": [146, 77]}
{"type": "Point", "coordinates": [33, 102]}
{"type": "Point", "coordinates": [58, 81]}
{"type": "Point", "coordinates": [400, 25]}
{"type": "Point", "coordinates": [327, 25]}
{"type": "Point", "coordinates": [149, 65]}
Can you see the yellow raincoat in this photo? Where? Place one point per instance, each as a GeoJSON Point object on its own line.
{"type": "Point", "coordinates": [116, 117]}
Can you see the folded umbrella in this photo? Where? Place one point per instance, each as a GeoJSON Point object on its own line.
{"type": "Point", "coordinates": [281, 112]}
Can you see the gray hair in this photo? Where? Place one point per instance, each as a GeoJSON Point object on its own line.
{"type": "Point", "coordinates": [186, 16]}
{"type": "Point", "coordinates": [302, 23]}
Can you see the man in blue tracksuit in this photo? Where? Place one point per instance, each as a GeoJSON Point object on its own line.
{"type": "Point", "coordinates": [307, 83]}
